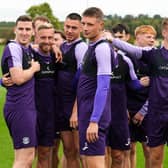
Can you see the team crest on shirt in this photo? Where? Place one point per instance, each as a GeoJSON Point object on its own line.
{"type": "Point", "coordinates": [85, 146]}
{"type": "Point", "coordinates": [26, 140]}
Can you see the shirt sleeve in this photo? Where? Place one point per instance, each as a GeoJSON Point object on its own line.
{"type": "Point", "coordinates": [15, 59]}
{"type": "Point", "coordinates": [129, 48]}
{"type": "Point", "coordinates": [132, 73]}
{"type": "Point", "coordinates": [144, 109]}
{"type": "Point", "coordinates": [103, 57]}
{"type": "Point", "coordinates": [80, 51]}
{"type": "Point", "coordinates": [103, 85]}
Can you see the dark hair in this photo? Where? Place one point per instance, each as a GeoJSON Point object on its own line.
{"type": "Point", "coordinates": [61, 33]}
{"type": "Point", "coordinates": [74, 16]}
{"type": "Point", "coordinates": [120, 28]}
{"type": "Point", "coordinates": [41, 18]}
{"type": "Point", "coordinates": [24, 18]}
{"type": "Point", "coordinates": [94, 12]}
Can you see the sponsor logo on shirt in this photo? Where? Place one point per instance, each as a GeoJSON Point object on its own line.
{"type": "Point", "coordinates": [163, 67]}
{"type": "Point", "coordinates": [113, 76]}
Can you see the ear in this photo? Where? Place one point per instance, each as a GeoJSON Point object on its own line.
{"type": "Point", "coordinates": [163, 32]}
{"type": "Point", "coordinates": [14, 30]}
{"type": "Point", "coordinates": [102, 25]}
{"type": "Point", "coordinates": [128, 37]}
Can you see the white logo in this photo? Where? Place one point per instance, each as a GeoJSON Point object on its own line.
{"type": "Point", "coordinates": [128, 143]}
{"type": "Point", "coordinates": [48, 68]}
{"type": "Point", "coordinates": [26, 140]}
{"type": "Point", "coordinates": [85, 147]}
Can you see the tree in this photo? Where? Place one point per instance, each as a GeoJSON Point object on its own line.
{"type": "Point", "coordinates": [45, 10]}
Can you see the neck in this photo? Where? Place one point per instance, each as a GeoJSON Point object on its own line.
{"type": "Point", "coordinates": [94, 39]}
{"type": "Point", "coordinates": [165, 44]}
{"type": "Point", "coordinates": [44, 53]}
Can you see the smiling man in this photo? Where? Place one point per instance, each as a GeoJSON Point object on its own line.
{"type": "Point", "coordinates": [19, 108]}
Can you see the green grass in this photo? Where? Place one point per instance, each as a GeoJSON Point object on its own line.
{"type": "Point", "coordinates": [6, 148]}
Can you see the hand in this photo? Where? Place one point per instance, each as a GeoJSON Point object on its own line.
{"type": "Point", "coordinates": [145, 81]}
{"type": "Point", "coordinates": [138, 118]}
{"type": "Point", "coordinates": [35, 66]}
{"type": "Point", "coordinates": [7, 81]}
{"type": "Point", "coordinates": [57, 52]}
{"type": "Point", "coordinates": [108, 36]}
{"type": "Point", "coordinates": [128, 115]}
{"type": "Point", "coordinates": [35, 46]}
{"type": "Point", "coordinates": [74, 120]}
{"type": "Point", "coordinates": [92, 132]}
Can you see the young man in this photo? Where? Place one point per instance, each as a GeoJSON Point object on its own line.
{"type": "Point", "coordinates": [137, 100]}
{"type": "Point", "coordinates": [123, 75]}
{"type": "Point", "coordinates": [157, 120]}
{"type": "Point", "coordinates": [73, 50]}
{"type": "Point", "coordinates": [94, 90]}
{"type": "Point", "coordinates": [120, 147]}
{"type": "Point", "coordinates": [59, 37]}
{"type": "Point", "coordinates": [45, 86]}
{"type": "Point", "coordinates": [19, 109]}
{"type": "Point", "coordinates": [37, 21]}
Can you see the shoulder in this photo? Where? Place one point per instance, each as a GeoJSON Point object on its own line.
{"type": "Point", "coordinates": [104, 46]}
{"type": "Point", "coordinates": [13, 46]}
{"type": "Point", "coordinates": [81, 44]}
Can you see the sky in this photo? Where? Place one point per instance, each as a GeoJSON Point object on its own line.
{"type": "Point", "coordinates": [11, 9]}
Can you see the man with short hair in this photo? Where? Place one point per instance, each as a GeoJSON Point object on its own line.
{"type": "Point", "coordinates": [45, 87]}
{"type": "Point", "coordinates": [19, 109]}
{"type": "Point", "coordinates": [94, 90]}
{"type": "Point", "coordinates": [73, 50]}
{"type": "Point", "coordinates": [157, 120]}
{"type": "Point", "coordinates": [137, 100]}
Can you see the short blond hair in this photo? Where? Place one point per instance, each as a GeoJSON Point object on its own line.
{"type": "Point", "coordinates": [45, 26]}
{"type": "Point", "coordinates": [143, 29]}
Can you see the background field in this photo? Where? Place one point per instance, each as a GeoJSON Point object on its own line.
{"type": "Point", "coordinates": [6, 149]}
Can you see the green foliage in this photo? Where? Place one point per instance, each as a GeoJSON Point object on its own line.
{"type": "Point", "coordinates": [45, 10]}
{"type": "Point", "coordinates": [6, 32]}
{"type": "Point", "coordinates": [133, 21]}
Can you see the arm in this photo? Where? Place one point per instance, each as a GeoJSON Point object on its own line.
{"type": "Point", "coordinates": [20, 76]}
{"type": "Point", "coordinates": [139, 116]}
{"type": "Point", "coordinates": [144, 109]}
{"type": "Point", "coordinates": [128, 48]}
{"type": "Point", "coordinates": [74, 116]}
{"type": "Point", "coordinates": [135, 84]}
{"type": "Point", "coordinates": [57, 52]}
{"type": "Point", "coordinates": [80, 51]}
{"type": "Point", "coordinates": [6, 80]}
{"type": "Point", "coordinates": [103, 85]}
{"type": "Point", "coordinates": [103, 57]}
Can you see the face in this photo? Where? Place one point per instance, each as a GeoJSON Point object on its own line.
{"type": "Point", "coordinates": [72, 29]}
{"type": "Point", "coordinates": [92, 28]}
{"type": "Point", "coordinates": [23, 32]}
{"type": "Point", "coordinates": [165, 32]}
{"type": "Point", "coordinates": [37, 24]}
{"type": "Point", "coordinates": [123, 36]}
{"type": "Point", "coordinates": [144, 40]}
{"type": "Point", "coordinates": [45, 39]}
{"type": "Point", "coordinates": [58, 40]}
